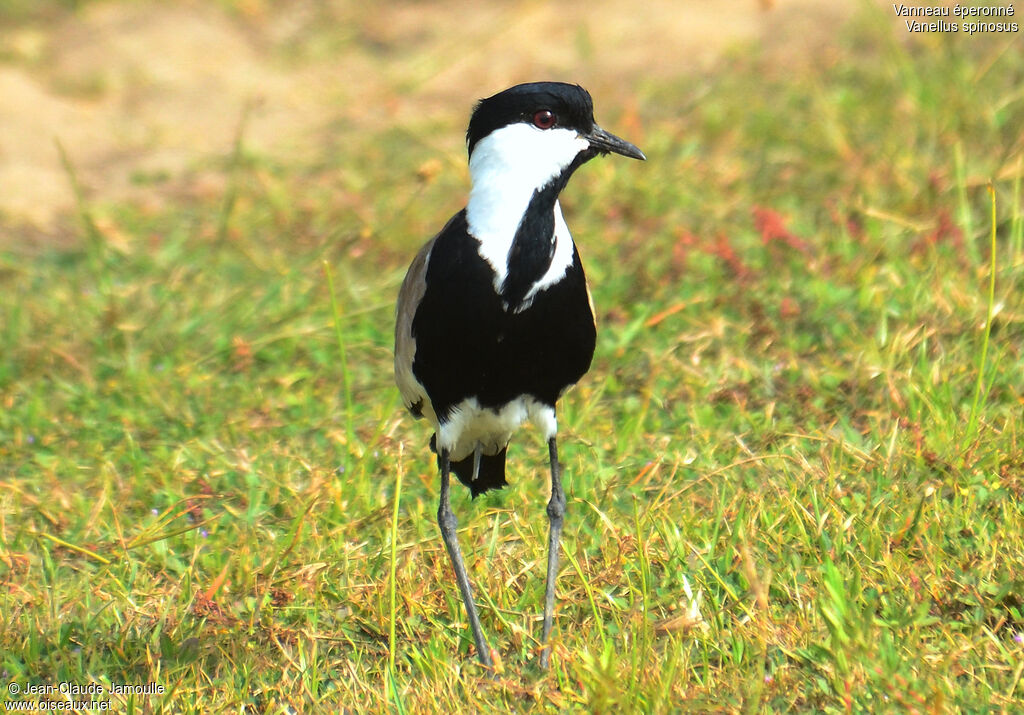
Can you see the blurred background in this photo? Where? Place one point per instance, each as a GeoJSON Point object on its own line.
{"type": "Point", "coordinates": [145, 96]}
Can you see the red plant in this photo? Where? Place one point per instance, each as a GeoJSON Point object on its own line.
{"type": "Point", "coordinates": [770, 225]}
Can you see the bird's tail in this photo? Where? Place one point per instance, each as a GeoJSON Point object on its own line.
{"type": "Point", "coordinates": [490, 474]}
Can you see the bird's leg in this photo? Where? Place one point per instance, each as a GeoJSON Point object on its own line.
{"type": "Point", "coordinates": [556, 510]}
{"type": "Point", "coordinates": [446, 520]}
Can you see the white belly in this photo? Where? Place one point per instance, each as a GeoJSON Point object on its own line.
{"type": "Point", "coordinates": [470, 424]}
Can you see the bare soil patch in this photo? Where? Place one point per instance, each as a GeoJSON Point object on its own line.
{"type": "Point", "coordinates": [143, 95]}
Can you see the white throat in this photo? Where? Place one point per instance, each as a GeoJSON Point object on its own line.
{"type": "Point", "coordinates": [507, 167]}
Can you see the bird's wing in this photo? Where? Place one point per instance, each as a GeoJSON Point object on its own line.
{"type": "Point", "coordinates": [446, 325]}
{"type": "Point", "coordinates": [414, 396]}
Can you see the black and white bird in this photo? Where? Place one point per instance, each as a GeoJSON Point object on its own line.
{"type": "Point", "coordinates": [494, 319]}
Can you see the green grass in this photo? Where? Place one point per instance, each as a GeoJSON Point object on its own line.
{"type": "Point", "coordinates": [199, 438]}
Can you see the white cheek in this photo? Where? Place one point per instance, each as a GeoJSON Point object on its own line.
{"type": "Point", "coordinates": [525, 154]}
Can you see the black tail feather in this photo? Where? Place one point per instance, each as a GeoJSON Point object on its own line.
{"type": "Point", "coordinates": [490, 476]}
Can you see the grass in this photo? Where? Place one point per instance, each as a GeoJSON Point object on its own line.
{"type": "Point", "coordinates": [804, 408]}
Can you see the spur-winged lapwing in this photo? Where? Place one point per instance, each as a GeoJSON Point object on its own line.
{"type": "Point", "coordinates": [494, 319]}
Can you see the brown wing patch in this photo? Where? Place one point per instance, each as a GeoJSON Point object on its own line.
{"type": "Point", "coordinates": [409, 296]}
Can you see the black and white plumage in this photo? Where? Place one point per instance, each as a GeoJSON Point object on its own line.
{"type": "Point", "coordinates": [494, 319]}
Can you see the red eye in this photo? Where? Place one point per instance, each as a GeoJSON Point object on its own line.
{"type": "Point", "coordinates": [544, 119]}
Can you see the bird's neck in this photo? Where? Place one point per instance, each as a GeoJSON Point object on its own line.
{"type": "Point", "coordinates": [533, 246]}
{"type": "Point", "coordinates": [497, 206]}
{"type": "Point", "coordinates": [521, 232]}
{"type": "Point", "coordinates": [518, 172]}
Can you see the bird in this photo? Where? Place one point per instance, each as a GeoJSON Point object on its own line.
{"type": "Point", "coordinates": [494, 319]}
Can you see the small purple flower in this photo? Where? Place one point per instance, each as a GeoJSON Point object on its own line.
{"type": "Point", "coordinates": [204, 533]}
{"type": "Point", "coordinates": [768, 678]}
{"type": "Point", "coordinates": [31, 438]}
{"type": "Point", "coordinates": [1018, 637]}
{"type": "Point", "coordinates": [154, 511]}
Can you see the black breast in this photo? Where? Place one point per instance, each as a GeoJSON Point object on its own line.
{"type": "Point", "coordinates": [468, 344]}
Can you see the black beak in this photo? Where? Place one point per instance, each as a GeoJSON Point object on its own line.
{"type": "Point", "coordinates": [605, 142]}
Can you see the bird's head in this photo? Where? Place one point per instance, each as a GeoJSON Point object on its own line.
{"type": "Point", "coordinates": [538, 132]}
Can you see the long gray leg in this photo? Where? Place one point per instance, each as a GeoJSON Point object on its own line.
{"type": "Point", "coordinates": [446, 520]}
{"type": "Point", "coordinates": [556, 510]}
